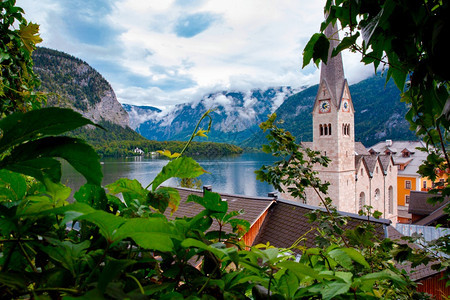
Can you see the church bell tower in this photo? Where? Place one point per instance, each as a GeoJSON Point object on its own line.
{"type": "Point", "coordinates": [333, 130]}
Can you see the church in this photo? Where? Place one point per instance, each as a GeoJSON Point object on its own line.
{"type": "Point", "coordinates": [356, 177]}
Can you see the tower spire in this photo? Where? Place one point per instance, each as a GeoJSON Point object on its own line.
{"type": "Point", "coordinates": [333, 71]}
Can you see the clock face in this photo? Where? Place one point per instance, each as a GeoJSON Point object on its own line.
{"type": "Point", "coordinates": [345, 106]}
{"type": "Point", "coordinates": [324, 106]}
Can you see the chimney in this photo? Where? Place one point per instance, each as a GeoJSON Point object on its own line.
{"type": "Point", "coordinates": [273, 195]}
{"type": "Point", "coordinates": [207, 188]}
{"type": "Point", "coordinates": [388, 143]}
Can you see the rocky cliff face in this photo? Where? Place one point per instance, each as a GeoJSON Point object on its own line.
{"type": "Point", "coordinates": [72, 83]}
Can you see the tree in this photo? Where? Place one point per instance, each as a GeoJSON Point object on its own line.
{"type": "Point", "coordinates": [16, 66]}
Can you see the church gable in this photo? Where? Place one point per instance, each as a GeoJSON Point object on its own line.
{"type": "Point", "coordinates": [323, 103]}
{"type": "Point", "coordinates": [345, 102]}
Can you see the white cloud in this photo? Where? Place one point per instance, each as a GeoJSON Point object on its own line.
{"type": "Point", "coordinates": [239, 45]}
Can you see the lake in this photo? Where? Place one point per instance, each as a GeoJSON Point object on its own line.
{"type": "Point", "coordinates": [229, 174]}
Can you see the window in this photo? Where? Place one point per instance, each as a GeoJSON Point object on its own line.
{"type": "Point", "coordinates": [407, 184]}
{"type": "Point", "coordinates": [329, 129]}
{"type": "Point", "coordinates": [376, 170]}
{"type": "Point", "coordinates": [391, 200]}
{"type": "Point", "coordinates": [424, 185]}
{"type": "Point", "coordinates": [362, 172]}
{"type": "Point", "coordinates": [407, 199]}
{"type": "Point", "coordinates": [377, 195]}
{"type": "Point", "coordinates": [325, 131]}
{"type": "Point", "coordinates": [362, 200]}
{"type": "Point", "coordinates": [321, 129]}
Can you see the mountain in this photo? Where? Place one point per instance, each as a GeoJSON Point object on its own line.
{"type": "Point", "coordinates": [235, 117]}
{"type": "Point", "coordinates": [379, 114]}
{"type": "Point", "coordinates": [140, 114]}
{"type": "Point", "coordinates": [71, 82]}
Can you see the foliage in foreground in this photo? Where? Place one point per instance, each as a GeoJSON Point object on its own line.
{"type": "Point", "coordinates": [106, 246]}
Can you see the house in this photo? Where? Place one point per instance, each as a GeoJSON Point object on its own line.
{"type": "Point", "coordinates": [407, 158]}
{"type": "Point", "coordinates": [282, 222]}
{"type": "Point", "coordinates": [427, 214]}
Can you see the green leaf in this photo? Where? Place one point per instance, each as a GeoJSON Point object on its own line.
{"type": "Point", "coordinates": [13, 186]}
{"type": "Point", "coordinates": [130, 189]}
{"type": "Point", "coordinates": [217, 250]}
{"type": "Point", "coordinates": [57, 191]}
{"type": "Point", "coordinates": [148, 233]}
{"type": "Point", "coordinates": [108, 224]}
{"type": "Point", "coordinates": [356, 256]}
{"type": "Point", "coordinates": [211, 201]}
{"type": "Point", "coordinates": [67, 253]}
{"type": "Point", "coordinates": [346, 43]}
{"type": "Point", "coordinates": [316, 49]}
{"type": "Point", "coordinates": [341, 258]}
{"type": "Point", "coordinates": [300, 269]}
{"type": "Point", "coordinates": [38, 168]}
{"type": "Point", "coordinates": [181, 167]}
{"type": "Point", "coordinates": [164, 197]}
{"type": "Point", "coordinates": [92, 195]}
{"type": "Point", "coordinates": [112, 270]}
{"type": "Point", "coordinates": [332, 289]}
{"type": "Point", "coordinates": [21, 127]}
{"type": "Point", "coordinates": [75, 151]}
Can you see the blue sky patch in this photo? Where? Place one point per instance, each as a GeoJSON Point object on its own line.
{"type": "Point", "coordinates": [191, 25]}
{"type": "Point", "coordinates": [84, 21]}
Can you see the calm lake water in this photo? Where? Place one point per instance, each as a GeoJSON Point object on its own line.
{"type": "Point", "coordinates": [230, 174]}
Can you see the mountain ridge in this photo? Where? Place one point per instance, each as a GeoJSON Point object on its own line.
{"type": "Point", "coordinates": [379, 115]}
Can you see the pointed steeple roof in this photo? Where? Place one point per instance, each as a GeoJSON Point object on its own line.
{"type": "Point", "coordinates": [333, 71]}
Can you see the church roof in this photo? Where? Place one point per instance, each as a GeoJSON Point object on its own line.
{"type": "Point", "coordinates": [370, 162]}
{"type": "Point", "coordinates": [333, 71]}
{"type": "Point", "coordinates": [360, 149]}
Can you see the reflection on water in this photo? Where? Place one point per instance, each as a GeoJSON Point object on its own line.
{"type": "Point", "coordinates": [231, 174]}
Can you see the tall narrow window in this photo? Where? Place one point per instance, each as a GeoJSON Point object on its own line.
{"type": "Point", "coordinates": [391, 199]}
{"type": "Point", "coordinates": [321, 129]}
{"type": "Point", "coordinates": [329, 129]}
{"type": "Point", "coordinates": [325, 130]}
{"type": "Point", "coordinates": [362, 200]}
{"type": "Point", "coordinates": [407, 199]}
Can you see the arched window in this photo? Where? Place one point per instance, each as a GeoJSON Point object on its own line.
{"type": "Point", "coordinates": [377, 195]}
{"type": "Point", "coordinates": [348, 129]}
{"type": "Point", "coordinates": [391, 199]}
{"type": "Point", "coordinates": [343, 129]}
{"type": "Point", "coordinates": [321, 129]}
{"type": "Point", "coordinates": [329, 129]}
{"type": "Point", "coordinates": [325, 131]}
{"type": "Point", "coordinates": [362, 200]}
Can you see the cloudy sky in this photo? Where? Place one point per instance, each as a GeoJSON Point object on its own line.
{"type": "Point", "coordinates": [164, 52]}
